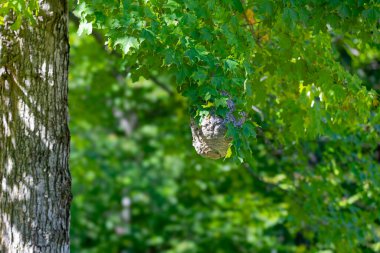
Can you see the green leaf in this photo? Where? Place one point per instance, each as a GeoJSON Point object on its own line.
{"type": "Point", "coordinates": [230, 65]}
{"type": "Point", "coordinates": [85, 28]}
{"type": "Point", "coordinates": [126, 43]}
{"type": "Point", "coordinates": [371, 14]}
{"type": "Point", "coordinates": [17, 24]}
{"type": "Point", "coordinates": [200, 75]}
{"type": "Point", "coordinates": [208, 105]}
{"type": "Point", "coordinates": [229, 152]}
{"type": "Point", "coordinates": [290, 17]}
{"type": "Point", "coordinates": [221, 102]}
{"type": "Point", "coordinates": [249, 129]}
{"type": "Point", "coordinates": [193, 54]}
{"type": "Point", "coordinates": [238, 5]}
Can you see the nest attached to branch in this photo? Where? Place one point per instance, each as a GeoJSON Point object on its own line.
{"type": "Point", "coordinates": [209, 138]}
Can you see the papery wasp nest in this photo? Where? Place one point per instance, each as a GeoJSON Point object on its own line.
{"type": "Point", "coordinates": [209, 137]}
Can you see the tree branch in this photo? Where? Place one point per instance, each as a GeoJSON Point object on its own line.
{"type": "Point", "coordinates": [251, 28]}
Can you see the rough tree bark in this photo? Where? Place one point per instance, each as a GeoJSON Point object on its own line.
{"type": "Point", "coordinates": [35, 192]}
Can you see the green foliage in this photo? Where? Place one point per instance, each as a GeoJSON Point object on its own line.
{"type": "Point", "coordinates": [207, 47]}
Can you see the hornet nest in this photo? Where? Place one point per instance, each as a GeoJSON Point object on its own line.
{"type": "Point", "coordinates": [209, 138]}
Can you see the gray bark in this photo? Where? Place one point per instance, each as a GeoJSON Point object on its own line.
{"type": "Point", "coordinates": [35, 181]}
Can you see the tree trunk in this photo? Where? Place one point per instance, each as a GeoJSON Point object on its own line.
{"type": "Point", "coordinates": [35, 192]}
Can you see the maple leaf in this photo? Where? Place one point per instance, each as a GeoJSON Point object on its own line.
{"type": "Point", "coordinates": [126, 43]}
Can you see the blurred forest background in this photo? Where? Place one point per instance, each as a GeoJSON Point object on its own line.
{"type": "Point", "coordinates": [139, 186]}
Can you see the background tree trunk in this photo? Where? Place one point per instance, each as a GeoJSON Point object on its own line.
{"type": "Point", "coordinates": [35, 192]}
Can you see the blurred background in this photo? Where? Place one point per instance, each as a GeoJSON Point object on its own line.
{"type": "Point", "coordinates": [139, 186]}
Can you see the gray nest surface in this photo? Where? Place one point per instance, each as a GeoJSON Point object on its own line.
{"type": "Point", "coordinates": [209, 138]}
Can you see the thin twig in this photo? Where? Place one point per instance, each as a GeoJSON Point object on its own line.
{"type": "Point", "coordinates": [251, 28]}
